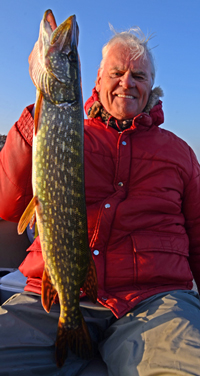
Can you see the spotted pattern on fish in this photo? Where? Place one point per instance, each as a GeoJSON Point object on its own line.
{"type": "Point", "coordinates": [59, 182]}
{"type": "Point", "coordinates": [58, 185]}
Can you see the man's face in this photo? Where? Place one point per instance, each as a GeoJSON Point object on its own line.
{"type": "Point", "coordinates": [124, 84]}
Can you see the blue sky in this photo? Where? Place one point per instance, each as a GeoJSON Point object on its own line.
{"type": "Point", "coordinates": [176, 48]}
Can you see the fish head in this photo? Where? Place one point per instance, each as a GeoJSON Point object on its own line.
{"type": "Point", "coordinates": [61, 75]}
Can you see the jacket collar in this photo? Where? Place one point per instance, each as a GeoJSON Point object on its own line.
{"type": "Point", "coordinates": [152, 114]}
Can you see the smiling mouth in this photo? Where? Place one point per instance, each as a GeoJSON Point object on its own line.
{"type": "Point", "coordinates": [125, 96]}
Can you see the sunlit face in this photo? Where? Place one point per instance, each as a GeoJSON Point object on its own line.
{"type": "Point", "coordinates": [124, 84]}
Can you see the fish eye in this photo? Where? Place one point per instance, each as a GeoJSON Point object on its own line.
{"type": "Point", "coordinates": [72, 56]}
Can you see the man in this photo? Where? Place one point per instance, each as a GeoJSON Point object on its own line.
{"type": "Point", "coordinates": [143, 207]}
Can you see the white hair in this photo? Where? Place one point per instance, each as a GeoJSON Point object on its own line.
{"type": "Point", "coordinates": [136, 41]}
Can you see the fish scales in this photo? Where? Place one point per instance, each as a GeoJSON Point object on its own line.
{"type": "Point", "coordinates": [58, 183]}
{"type": "Point", "coordinates": [63, 208]}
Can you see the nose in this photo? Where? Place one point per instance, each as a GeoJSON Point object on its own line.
{"type": "Point", "coordinates": [127, 80]}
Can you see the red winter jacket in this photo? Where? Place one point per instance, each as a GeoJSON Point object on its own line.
{"type": "Point", "coordinates": [143, 207]}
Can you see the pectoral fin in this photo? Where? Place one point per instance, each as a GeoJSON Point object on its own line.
{"type": "Point", "coordinates": [28, 215]}
{"type": "Point", "coordinates": [48, 291]}
{"type": "Point", "coordinates": [37, 111]}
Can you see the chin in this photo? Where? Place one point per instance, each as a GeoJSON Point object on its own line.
{"type": "Point", "coordinates": [125, 117]}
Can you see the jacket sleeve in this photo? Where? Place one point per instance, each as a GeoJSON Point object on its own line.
{"type": "Point", "coordinates": [16, 168]}
{"type": "Point", "coordinates": [191, 210]}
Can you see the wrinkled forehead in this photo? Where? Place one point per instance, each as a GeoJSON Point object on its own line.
{"type": "Point", "coordinates": [124, 56]}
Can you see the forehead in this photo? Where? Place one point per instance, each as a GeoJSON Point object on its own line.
{"type": "Point", "coordinates": [121, 56]}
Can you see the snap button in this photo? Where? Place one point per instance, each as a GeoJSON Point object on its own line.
{"type": "Point", "coordinates": [96, 252]}
{"type": "Point", "coordinates": [123, 142]}
{"type": "Point", "coordinates": [107, 206]}
{"type": "Point", "coordinates": [120, 184]}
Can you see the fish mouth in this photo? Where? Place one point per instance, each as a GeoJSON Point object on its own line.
{"type": "Point", "coordinates": [65, 36]}
{"type": "Point", "coordinates": [49, 17]}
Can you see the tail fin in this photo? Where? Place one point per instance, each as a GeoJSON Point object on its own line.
{"type": "Point", "coordinates": [77, 340]}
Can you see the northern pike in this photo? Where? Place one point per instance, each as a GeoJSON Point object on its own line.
{"type": "Point", "coordinates": [58, 183]}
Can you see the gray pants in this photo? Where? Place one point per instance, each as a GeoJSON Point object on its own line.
{"type": "Point", "coordinates": [161, 336]}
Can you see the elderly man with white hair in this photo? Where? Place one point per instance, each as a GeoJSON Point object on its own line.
{"type": "Point", "coordinates": [143, 208]}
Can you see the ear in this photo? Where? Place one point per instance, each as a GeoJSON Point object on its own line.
{"type": "Point", "coordinates": [98, 80]}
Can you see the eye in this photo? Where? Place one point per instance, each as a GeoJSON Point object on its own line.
{"type": "Point", "coordinates": [116, 74]}
{"type": "Point", "coordinates": [72, 56]}
{"type": "Point", "coordinates": [139, 77]}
